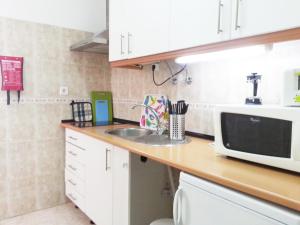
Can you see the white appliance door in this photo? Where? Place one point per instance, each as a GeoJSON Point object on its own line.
{"type": "Point", "coordinates": [196, 206]}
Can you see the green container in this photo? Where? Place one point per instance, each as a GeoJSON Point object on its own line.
{"type": "Point", "coordinates": [102, 106]}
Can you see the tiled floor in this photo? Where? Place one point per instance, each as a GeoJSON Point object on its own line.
{"type": "Point", "coordinates": [60, 215]}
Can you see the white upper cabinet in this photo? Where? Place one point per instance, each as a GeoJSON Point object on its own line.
{"type": "Point", "coordinates": [141, 28]}
{"type": "Point", "coordinates": [253, 17]}
{"type": "Point", "coordinates": [148, 27]}
{"type": "Point", "coordinates": [138, 28]}
{"type": "Point", "coordinates": [198, 22]}
{"type": "Point", "coordinates": [117, 30]}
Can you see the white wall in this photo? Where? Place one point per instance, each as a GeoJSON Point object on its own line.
{"type": "Point", "coordinates": [85, 15]}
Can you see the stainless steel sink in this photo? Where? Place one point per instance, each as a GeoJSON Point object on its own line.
{"type": "Point", "coordinates": [160, 140]}
{"type": "Point", "coordinates": [129, 132]}
{"type": "Point", "coordinates": [145, 136]}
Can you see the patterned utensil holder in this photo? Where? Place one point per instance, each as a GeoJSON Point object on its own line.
{"type": "Point", "coordinates": [177, 127]}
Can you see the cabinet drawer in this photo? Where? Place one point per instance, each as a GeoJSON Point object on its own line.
{"type": "Point", "coordinates": [75, 153]}
{"type": "Point", "coordinates": [75, 168]}
{"type": "Point", "coordinates": [75, 182]}
{"type": "Point", "coordinates": [75, 197]}
{"type": "Point", "coordinates": [76, 138]}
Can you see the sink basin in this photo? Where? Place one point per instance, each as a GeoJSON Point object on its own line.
{"type": "Point", "coordinates": [145, 136]}
{"type": "Point", "coordinates": [130, 132]}
{"type": "Point", "coordinates": [159, 140]}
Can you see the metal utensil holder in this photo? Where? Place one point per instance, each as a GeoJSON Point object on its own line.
{"type": "Point", "coordinates": [177, 127]}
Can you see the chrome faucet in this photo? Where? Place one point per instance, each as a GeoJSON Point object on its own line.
{"type": "Point", "coordinates": [159, 129]}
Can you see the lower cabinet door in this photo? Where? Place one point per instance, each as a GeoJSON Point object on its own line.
{"type": "Point", "coordinates": [99, 182]}
{"type": "Point", "coordinates": [120, 170]}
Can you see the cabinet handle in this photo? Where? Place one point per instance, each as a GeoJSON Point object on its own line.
{"type": "Point", "coordinates": [106, 159]}
{"type": "Point", "coordinates": [73, 138]}
{"type": "Point", "coordinates": [237, 15]}
{"type": "Point", "coordinates": [72, 153]}
{"type": "Point", "coordinates": [72, 168]}
{"type": "Point", "coordinates": [71, 182]}
{"type": "Point", "coordinates": [121, 38]}
{"type": "Point", "coordinates": [129, 41]}
{"type": "Point", "coordinates": [177, 207]}
{"type": "Point", "coordinates": [219, 17]}
{"type": "Point", "coordinates": [72, 197]}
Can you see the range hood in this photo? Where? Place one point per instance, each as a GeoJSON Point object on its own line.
{"type": "Point", "coordinates": [97, 43]}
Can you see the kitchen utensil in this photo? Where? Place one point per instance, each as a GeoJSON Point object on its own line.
{"type": "Point", "coordinates": [82, 111]}
{"type": "Point", "coordinates": [254, 79]}
{"type": "Point", "coordinates": [102, 106]}
{"type": "Point", "coordinates": [169, 109]}
{"type": "Point", "coordinates": [180, 108]}
{"type": "Point", "coordinates": [177, 127]}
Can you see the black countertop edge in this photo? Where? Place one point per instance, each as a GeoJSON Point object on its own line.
{"type": "Point", "coordinates": [189, 133]}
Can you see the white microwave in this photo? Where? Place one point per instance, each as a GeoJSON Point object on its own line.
{"type": "Point", "coordinates": [263, 134]}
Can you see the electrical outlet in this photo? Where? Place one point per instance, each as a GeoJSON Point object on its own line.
{"type": "Point", "coordinates": [63, 91]}
{"type": "Point", "coordinates": [188, 77]}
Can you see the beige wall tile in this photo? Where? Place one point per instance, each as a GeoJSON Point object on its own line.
{"type": "Point", "coordinates": [50, 190]}
{"type": "Point", "coordinates": [47, 78]}
{"type": "Point", "coordinates": [49, 157]}
{"type": "Point", "coordinates": [3, 199]}
{"type": "Point", "coordinates": [20, 160]}
{"type": "Point", "coordinates": [21, 122]}
{"type": "Point", "coordinates": [31, 139]}
{"type": "Point", "coordinates": [48, 119]}
{"type": "Point", "coordinates": [21, 196]}
{"type": "Point", "coordinates": [3, 161]}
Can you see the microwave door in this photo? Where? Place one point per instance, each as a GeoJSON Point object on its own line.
{"type": "Point", "coordinates": [256, 134]}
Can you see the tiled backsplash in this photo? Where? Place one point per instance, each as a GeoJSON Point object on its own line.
{"type": "Point", "coordinates": [214, 82]}
{"type": "Point", "coordinates": [31, 140]}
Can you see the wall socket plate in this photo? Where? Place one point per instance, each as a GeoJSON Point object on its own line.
{"type": "Point", "coordinates": [63, 91]}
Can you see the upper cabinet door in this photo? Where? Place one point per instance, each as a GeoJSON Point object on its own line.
{"type": "Point", "coordinates": [117, 30]}
{"type": "Point", "coordinates": [148, 31]}
{"type": "Point", "coordinates": [198, 22]}
{"type": "Point", "coordinates": [253, 17]}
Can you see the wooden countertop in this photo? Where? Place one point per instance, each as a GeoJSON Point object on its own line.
{"type": "Point", "coordinates": [198, 158]}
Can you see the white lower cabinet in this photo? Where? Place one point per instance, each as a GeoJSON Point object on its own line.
{"type": "Point", "coordinates": [112, 186]}
{"type": "Point", "coordinates": [99, 182]}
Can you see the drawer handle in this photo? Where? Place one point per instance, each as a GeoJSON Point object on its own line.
{"type": "Point", "coordinates": [237, 15]}
{"type": "Point", "coordinates": [72, 197]}
{"type": "Point", "coordinates": [76, 146]}
{"type": "Point", "coordinates": [129, 41]}
{"type": "Point", "coordinates": [107, 167]}
{"type": "Point", "coordinates": [72, 167]}
{"type": "Point", "coordinates": [220, 30]}
{"type": "Point", "coordinates": [121, 38]}
{"type": "Point", "coordinates": [73, 138]}
{"type": "Point", "coordinates": [71, 182]}
{"type": "Point", "coordinates": [72, 153]}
